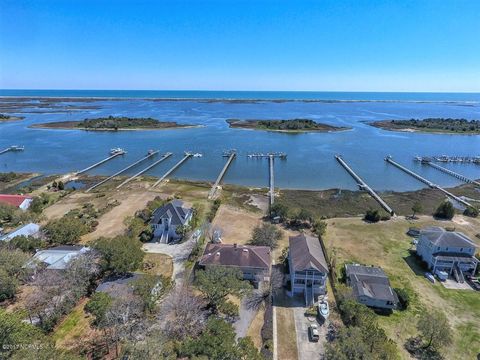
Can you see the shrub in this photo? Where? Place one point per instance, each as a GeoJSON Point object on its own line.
{"type": "Point", "coordinates": [471, 211]}
{"type": "Point", "coordinates": [372, 216]}
{"type": "Point", "coordinates": [445, 211]}
{"type": "Point", "coordinates": [403, 298]}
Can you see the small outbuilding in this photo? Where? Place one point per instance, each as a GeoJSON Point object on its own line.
{"type": "Point", "coordinates": [19, 201]}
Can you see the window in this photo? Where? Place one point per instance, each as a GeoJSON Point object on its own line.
{"type": "Point", "coordinates": [446, 249]}
{"type": "Point", "coordinates": [461, 249]}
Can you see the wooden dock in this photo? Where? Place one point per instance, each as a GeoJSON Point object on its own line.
{"type": "Point", "coordinates": [168, 154]}
{"type": "Point", "coordinates": [175, 167]}
{"type": "Point", "coordinates": [12, 148]}
{"type": "Point", "coordinates": [428, 182]}
{"type": "Point", "coordinates": [452, 173]}
{"type": "Point", "coordinates": [214, 189]}
{"type": "Point", "coordinates": [99, 163]}
{"type": "Point", "coordinates": [364, 186]}
{"type": "Point", "coordinates": [271, 192]}
{"type": "Point", "coordinates": [149, 155]}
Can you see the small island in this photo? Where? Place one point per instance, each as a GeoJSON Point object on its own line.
{"type": "Point", "coordinates": [293, 125]}
{"type": "Point", "coordinates": [113, 123]}
{"type": "Point", "coordinates": [4, 117]}
{"type": "Point", "coordinates": [431, 125]}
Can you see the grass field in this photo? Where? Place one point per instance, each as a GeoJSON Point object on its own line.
{"type": "Point", "coordinates": [344, 203]}
{"type": "Point", "coordinates": [74, 328]}
{"type": "Point", "coordinates": [386, 244]}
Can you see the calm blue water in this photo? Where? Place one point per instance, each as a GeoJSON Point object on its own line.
{"type": "Point", "coordinates": [310, 163]}
{"type": "Point", "coordinates": [261, 95]}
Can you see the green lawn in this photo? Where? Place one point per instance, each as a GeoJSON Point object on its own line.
{"type": "Point", "coordinates": [386, 244]}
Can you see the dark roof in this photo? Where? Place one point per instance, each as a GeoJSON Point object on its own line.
{"type": "Point", "coordinates": [118, 287]}
{"type": "Point", "coordinates": [441, 237]}
{"type": "Point", "coordinates": [174, 210]}
{"type": "Point", "coordinates": [370, 281]}
{"type": "Point", "coordinates": [236, 255]}
{"type": "Point", "coordinates": [306, 253]}
{"type": "Point", "coordinates": [66, 248]}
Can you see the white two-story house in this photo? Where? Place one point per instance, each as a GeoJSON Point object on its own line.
{"type": "Point", "coordinates": [448, 251]}
{"type": "Point", "coordinates": [167, 218]}
{"type": "Point", "coordinates": [308, 267]}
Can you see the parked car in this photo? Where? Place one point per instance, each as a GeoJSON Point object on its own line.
{"type": "Point", "coordinates": [313, 333]}
{"type": "Point", "coordinates": [473, 282]}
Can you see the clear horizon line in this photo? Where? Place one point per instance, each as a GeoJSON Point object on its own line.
{"type": "Point", "coordinates": [210, 90]}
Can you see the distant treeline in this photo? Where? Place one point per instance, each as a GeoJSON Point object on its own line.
{"type": "Point", "coordinates": [4, 117]}
{"type": "Point", "coordinates": [283, 125]}
{"type": "Point", "coordinates": [433, 124]}
{"type": "Point", "coordinates": [123, 122]}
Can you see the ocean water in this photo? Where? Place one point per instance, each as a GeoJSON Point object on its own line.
{"type": "Point", "coordinates": [310, 163]}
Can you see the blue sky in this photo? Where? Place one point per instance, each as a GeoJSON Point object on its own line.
{"type": "Point", "coordinates": [357, 45]}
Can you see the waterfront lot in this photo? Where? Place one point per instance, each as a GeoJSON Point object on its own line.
{"type": "Point", "coordinates": [386, 244]}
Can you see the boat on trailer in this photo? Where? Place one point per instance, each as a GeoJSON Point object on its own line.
{"type": "Point", "coordinates": [323, 308]}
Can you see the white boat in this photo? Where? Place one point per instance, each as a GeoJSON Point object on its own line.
{"type": "Point", "coordinates": [17, 148]}
{"type": "Point", "coordinates": [115, 151]}
{"type": "Point", "coordinates": [323, 308]}
{"type": "Point", "coordinates": [197, 155]}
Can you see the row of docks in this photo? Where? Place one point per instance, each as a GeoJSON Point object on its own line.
{"type": "Point", "coordinates": [151, 153]}
{"type": "Point", "coordinates": [446, 159]}
{"type": "Point", "coordinates": [12, 148]}
{"type": "Point", "coordinates": [430, 184]}
{"type": "Point", "coordinates": [363, 185]}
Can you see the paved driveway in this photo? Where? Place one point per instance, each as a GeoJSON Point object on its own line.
{"type": "Point", "coordinates": [307, 350]}
{"type": "Point", "coordinates": [178, 252]}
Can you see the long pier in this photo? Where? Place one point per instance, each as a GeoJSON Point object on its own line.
{"type": "Point", "coordinates": [428, 182]}
{"type": "Point", "coordinates": [214, 189]}
{"type": "Point", "coordinates": [272, 186]}
{"type": "Point", "coordinates": [168, 154]}
{"type": "Point", "coordinates": [452, 173]}
{"type": "Point", "coordinates": [177, 165]}
{"type": "Point", "coordinates": [100, 163]}
{"type": "Point", "coordinates": [149, 155]}
{"type": "Point", "coordinates": [364, 186]}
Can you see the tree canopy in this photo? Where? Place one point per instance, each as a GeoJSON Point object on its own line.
{"type": "Point", "coordinates": [66, 230]}
{"type": "Point", "coordinates": [120, 255]}
{"type": "Point", "coordinates": [217, 282]}
{"type": "Point", "coordinates": [266, 235]}
{"type": "Point", "coordinates": [217, 342]}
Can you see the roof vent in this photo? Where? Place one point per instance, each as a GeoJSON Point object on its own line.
{"type": "Point", "coordinates": [245, 250]}
{"type": "Point", "coordinates": [218, 253]}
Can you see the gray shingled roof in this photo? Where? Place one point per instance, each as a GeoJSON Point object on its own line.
{"type": "Point", "coordinates": [441, 237]}
{"type": "Point", "coordinates": [236, 255]}
{"type": "Point", "coordinates": [173, 210]}
{"type": "Point", "coordinates": [306, 253]}
{"type": "Point", "coordinates": [370, 281]}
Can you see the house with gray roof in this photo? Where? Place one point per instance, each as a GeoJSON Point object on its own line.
{"type": "Point", "coordinates": [56, 258]}
{"type": "Point", "coordinates": [370, 286]}
{"type": "Point", "coordinates": [308, 267]}
{"type": "Point", "coordinates": [167, 218]}
{"type": "Point", "coordinates": [30, 229]}
{"type": "Point", "coordinates": [253, 261]}
{"type": "Point", "coordinates": [449, 251]}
